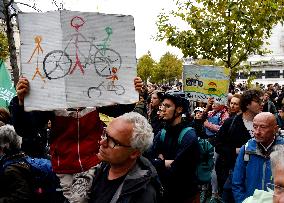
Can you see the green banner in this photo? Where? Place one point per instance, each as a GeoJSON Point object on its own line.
{"type": "Point", "coordinates": [7, 90]}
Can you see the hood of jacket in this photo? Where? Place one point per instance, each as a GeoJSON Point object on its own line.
{"type": "Point", "coordinates": [137, 180]}
{"type": "Point", "coordinates": [252, 147]}
{"type": "Point", "coordinates": [140, 175]}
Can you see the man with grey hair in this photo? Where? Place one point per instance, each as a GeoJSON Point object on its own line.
{"type": "Point", "coordinates": [124, 175]}
{"type": "Point", "coordinates": [277, 167]}
{"type": "Point", "coordinates": [15, 185]}
{"type": "Point", "coordinates": [275, 191]}
{"type": "Point", "coordinates": [10, 142]}
{"type": "Point", "coordinates": [252, 169]}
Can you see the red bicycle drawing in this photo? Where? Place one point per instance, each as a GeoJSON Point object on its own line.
{"type": "Point", "coordinates": [57, 63]}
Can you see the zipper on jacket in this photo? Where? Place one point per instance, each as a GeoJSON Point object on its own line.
{"type": "Point", "coordinates": [263, 176]}
{"type": "Point", "coordinates": [57, 156]}
{"type": "Point", "coordinates": [78, 139]}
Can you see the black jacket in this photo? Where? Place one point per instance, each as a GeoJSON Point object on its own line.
{"type": "Point", "coordinates": [180, 179]}
{"type": "Point", "coordinates": [233, 134]}
{"type": "Point", "coordinates": [140, 185]}
{"type": "Point", "coordinates": [31, 126]}
{"type": "Point", "coordinates": [15, 182]}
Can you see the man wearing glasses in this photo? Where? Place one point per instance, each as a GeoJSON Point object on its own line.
{"type": "Point", "coordinates": [275, 191]}
{"type": "Point", "coordinates": [277, 167]}
{"type": "Point", "coordinates": [252, 169]}
{"type": "Point", "coordinates": [234, 133]}
{"type": "Point", "coordinates": [176, 157]}
{"type": "Point", "coordinates": [74, 139]}
{"type": "Point", "coordinates": [124, 175]}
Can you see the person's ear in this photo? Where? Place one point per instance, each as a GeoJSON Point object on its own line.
{"type": "Point", "coordinates": [179, 110]}
{"type": "Point", "coordinates": [276, 130]}
{"type": "Point", "coordinates": [136, 153]}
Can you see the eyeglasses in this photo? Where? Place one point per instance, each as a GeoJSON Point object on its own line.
{"type": "Point", "coordinates": [111, 142]}
{"type": "Point", "coordinates": [277, 190]}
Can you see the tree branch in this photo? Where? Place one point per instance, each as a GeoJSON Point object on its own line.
{"type": "Point", "coordinates": [33, 7]}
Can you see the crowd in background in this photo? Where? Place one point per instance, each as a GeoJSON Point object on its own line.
{"type": "Point", "coordinates": [153, 153]}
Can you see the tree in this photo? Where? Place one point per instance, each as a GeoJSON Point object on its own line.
{"type": "Point", "coordinates": [205, 62]}
{"type": "Point", "coordinates": [170, 67]}
{"type": "Point", "coordinates": [158, 75]}
{"type": "Point", "coordinates": [4, 48]}
{"type": "Point", "coordinates": [227, 30]}
{"type": "Point", "coordinates": [145, 66]}
{"type": "Point", "coordinates": [7, 12]}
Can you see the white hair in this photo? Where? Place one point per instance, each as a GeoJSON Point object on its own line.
{"type": "Point", "coordinates": [277, 157]}
{"type": "Point", "coordinates": [9, 138]}
{"type": "Point", "coordinates": [142, 137]}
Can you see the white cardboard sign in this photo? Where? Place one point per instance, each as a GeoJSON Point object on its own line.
{"type": "Point", "coordinates": [77, 59]}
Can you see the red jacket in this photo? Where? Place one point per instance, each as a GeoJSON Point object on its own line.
{"type": "Point", "coordinates": [75, 146]}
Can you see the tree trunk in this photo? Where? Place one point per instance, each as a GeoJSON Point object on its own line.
{"type": "Point", "coordinates": [11, 42]}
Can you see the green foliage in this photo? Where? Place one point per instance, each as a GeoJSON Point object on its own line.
{"type": "Point", "coordinates": [205, 62]}
{"type": "Point", "coordinates": [227, 30]}
{"type": "Point", "coordinates": [246, 70]}
{"type": "Point", "coordinates": [145, 67]}
{"type": "Point", "coordinates": [4, 48]}
{"type": "Point", "coordinates": [169, 68]}
{"type": "Point", "coordinates": [157, 75]}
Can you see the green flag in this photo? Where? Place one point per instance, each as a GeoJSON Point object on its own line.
{"type": "Point", "coordinates": [7, 90]}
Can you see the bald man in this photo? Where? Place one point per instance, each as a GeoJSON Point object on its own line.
{"type": "Point", "coordinates": [252, 169]}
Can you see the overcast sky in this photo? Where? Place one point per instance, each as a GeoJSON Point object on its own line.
{"type": "Point", "coordinates": [145, 15]}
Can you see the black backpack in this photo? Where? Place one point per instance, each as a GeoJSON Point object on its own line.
{"type": "Point", "coordinates": [45, 183]}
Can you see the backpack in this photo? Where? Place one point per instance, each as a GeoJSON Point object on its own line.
{"type": "Point", "coordinates": [45, 183]}
{"type": "Point", "coordinates": [206, 163]}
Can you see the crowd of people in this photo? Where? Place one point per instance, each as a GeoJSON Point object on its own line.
{"type": "Point", "coordinates": [150, 151]}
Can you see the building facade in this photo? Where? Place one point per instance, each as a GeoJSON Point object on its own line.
{"type": "Point", "coordinates": [268, 69]}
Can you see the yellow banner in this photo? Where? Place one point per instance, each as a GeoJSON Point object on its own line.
{"type": "Point", "coordinates": [201, 82]}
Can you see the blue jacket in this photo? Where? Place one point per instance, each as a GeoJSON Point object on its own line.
{"type": "Point", "coordinates": [215, 119]}
{"type": "Point", "coordinates": [252, 170]}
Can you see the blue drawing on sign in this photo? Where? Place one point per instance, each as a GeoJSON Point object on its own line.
{"type": "Point", "coordinates": [194, 81]}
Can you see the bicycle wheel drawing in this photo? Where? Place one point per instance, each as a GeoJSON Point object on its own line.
{"type": "Point", "coordinates": [56, 64]}
{"type": "Point", "coordinates": [94, 92]}
{"type": "Point", "coordinates": [104, 60]}
{"type": "Point", "coordinates": [119, 90]}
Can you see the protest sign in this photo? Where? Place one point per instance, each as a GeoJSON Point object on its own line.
{"type": "Point", "coordinates": [201, 82]}
{"type": "Point", "coordinates": [77, 59]}
{"type": "Point", "coordinates": [7, 90]}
